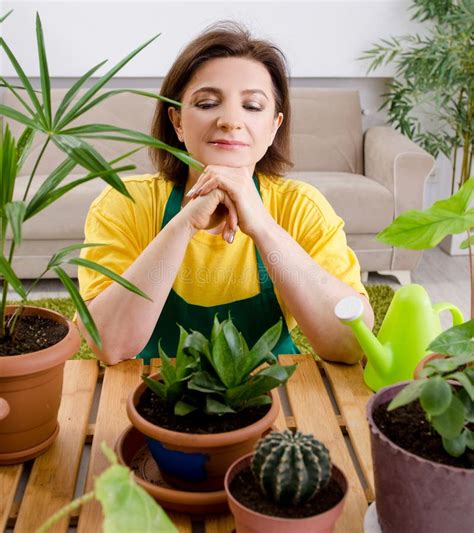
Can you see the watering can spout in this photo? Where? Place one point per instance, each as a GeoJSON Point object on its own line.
{"type": "Point", "coordinates": [350, 311]}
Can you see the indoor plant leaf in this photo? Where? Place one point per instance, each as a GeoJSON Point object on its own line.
{"type": "Point", "coordinates": [12, 113]}
{"type": "Point", "coordinates": [456, 446]}
{"type": "Point", "coordinates": [15, 213]}
{"type": "Point", "coordinates": [205, 382]}
{"type": "Point", "coordinates": [156, 386]}
{"type": "Point", "coordinates": [23, 146]}
{"type": "Point", "coordinates": [435, 396]}
{"type": "Point", "coordinates": [223, 360]}
{"type": "Point", "coordinates": [183, 408]}
{"type": "Point", "coordinates": [9, 275]}
{"type": "Point", "coordinates": [167, 370]}
{"type": "Point", "coordinates": [457, 340]}
{"type": "Point", "coordinates": [462, 378]}
{"type": "Point", "coordinates": [57, 257]}
{"type": "Point", "coordinates": [215, 407]}
{"type": "Point", "coordinates": [408, 394]}
{"type": "Point", "coordinates": [450, 423]}
{"type": "Point", "coordinates": [44, 73]}
{"type": "Point", "coordinates": [450, 363]}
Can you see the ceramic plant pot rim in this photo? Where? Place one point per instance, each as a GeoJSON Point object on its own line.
{"type": "Point", "coordinates": [422, 362]}
{"type": "Point", "coordinates": [193, 440]}
{"type": "Point", "coordinates": [278, 519]}
{"type": "Point", "coordinates": [29, 363]}
{"type": "Point", "coordinates": [398, 450]}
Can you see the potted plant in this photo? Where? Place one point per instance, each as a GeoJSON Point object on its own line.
{"type": "Point", "coordinates": [422, 436]}
{"type": "Point", "coordinates": [431, 97]}
{"type": "Point", "coordinates": [35, 343]}
{"type": "Point", "coordinates": [125, 505]}
{"type": "Point", "coordinates": [287, 484]}
{"type": "Point", "coordinates": [211, 407]}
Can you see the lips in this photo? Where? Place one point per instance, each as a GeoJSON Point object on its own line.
{"type": "Point", "coordinates": [227, 142]}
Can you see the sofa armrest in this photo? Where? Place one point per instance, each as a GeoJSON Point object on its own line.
{"type": "Point", "coordinates": [398, 164]}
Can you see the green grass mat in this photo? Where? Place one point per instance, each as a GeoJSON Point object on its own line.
{"type": "Point", "coordinates": [380, 298]}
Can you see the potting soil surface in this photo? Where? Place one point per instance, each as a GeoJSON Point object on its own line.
{"type": "Point", "coordinates": [158, 412]}
{"type": "Point", "coordinates": [408, 428]}
{"type": "Point", "coordinates": [247, 491]}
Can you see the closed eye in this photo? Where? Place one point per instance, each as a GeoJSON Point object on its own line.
{"type": "Point", "coordinates": [209, 105]}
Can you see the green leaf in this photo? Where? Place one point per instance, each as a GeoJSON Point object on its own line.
{"type": "Point", "coordinates": [215, 407]}
{"type": "Point", "coordinates": [127, 506]}
{"type": "Point", "coordinates": [466, 242]}
{"type": "Point", "coordinates": [456, 446]}
{"type": "Point", "coordinates": [205, 382]}
{"type": "Point", "coordinates": [408, 394]}
{"type": "Point", "coordinates": [57, 257]}
{"type": "Point", "coordinates": [457, 340]}
{"type": "Point", "coordinates": [167, 370]}
{"type": "Point", "coordinates": [469, 439]}
{"type": "Point", "coordinates": [12, 113]}
{"type": "Point", "coordinates": [8, 166]}
{"type": "Point", "coordinates": [86, 156]}
{"type": "Point", "coordinates": [223, 361]}
{"type": "Point", "coordinates": [216, 328]}
{"type": "Point", "coordinates": [259, 400]}
{"type": "Point", "coordinates": [183, 408]}
{"type": "Point", "coordinates": [193, 345]}
{"type": "Point", "coordinates": [182, 359]}
{"type": "Point", "coordinates": [24, 145]}
{"type": "Point", "coordinates": [462, 378]}
{"type": "Point", "coordinates": [436, 396]}
{"type": "Point", "coordinates": [155, 386]}
{"type": "Point", "coordinates": [79, 261]}
{"type": "Point", "coordinates": [87, 96]}
{"type": "Point", "coordinates": [468, 404]}
{"type": "Point", "coordinates": [5, 16]}
{"type": "Point", "coordinates": [237, 345]}
{"type": "Point", "coordinates": [261, 351]}
{"type": "Point", "coordinates": [80, 305]}
{"type": "Point", "coordinates": [450, 423]}
{"type": "Point", "coordinates": [9, 275]}
{"type": "Point", "coordinates": [419, 230]}
{"type": "Point", "coordinates": [44, 73]}
{"type": "Point", "coordinates": [15, 213]}
{"type": "Point", "coordinates": [450, 363]}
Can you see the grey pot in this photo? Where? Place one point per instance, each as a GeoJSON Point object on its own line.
{"type": "Point", "coordinates": [415, 494]}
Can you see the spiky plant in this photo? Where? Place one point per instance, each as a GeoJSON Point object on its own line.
{"type": "Point", "coordinates": [291, 469]}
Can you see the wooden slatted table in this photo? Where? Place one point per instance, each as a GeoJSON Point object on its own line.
{"type": "Point", "coordinates": [325, 399]}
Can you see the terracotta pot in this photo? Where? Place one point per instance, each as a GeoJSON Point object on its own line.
{"type": "Point", "coordinates": [249, 521]}
{"type": "Point", "coordinates": [422, 363]}
{"type": "Point", "coordinates": [30, 393]}
{"type": "Point", "coordinates": [194, 462]}
{"type": "Point", "coordinates": [415, 494]}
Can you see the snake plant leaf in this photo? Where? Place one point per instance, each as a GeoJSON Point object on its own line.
{"type": "Point", "coordinates": [76, 109]}
{"type": "Point", "coordinates": [436, 396]}
{"type": "Point", "coordinates": [205, 382]}
{"type": "Point", "coordinates": [457, 340]}
{"type": "Point", "coordinates": [223, 360]}
{"type": "Point", "coordinates": [408, 394]}
{"type": "Point", "coordinates": [183, 408]}
{"type": "Point", "coordinates": [194, 344]}
{"type": "Point", "coordinates": [127, 506]}
{"type": "Point", "coordinates": [215, 407]}
{"type": "Point", "coordinates": [39, 121]}
{"type": "Point", "coordinates": [10, 277]}
{"type": "Point", "coordinates": [44, 72]}
{"type": "Point", "coordinates": [68, 97]}
{"type": "Point", "coordinates": [167, 370]}
{"type": "Point", "coordinates": [58, 256]}
{"type": "Point", "coordinates": [450, 423]}
{"type": "Point", "coordinates": [419, 230]}
{"type": "Point", "coordinates": [86, 156]}
{"type": "Point", "coordinates": [23, 146]}
{"type": "Point", "coordinates": [237, 346]}
{"type": "Point", "coordinates": [457, 446]}
{"type": "Point", "coordinates": [80, 305]}
{"type": "Point", "coordinates": [156, 386]}
{"type": "Point", "coordinates": [216, 328]}
{"type": "Point", "coordinates": [15, 213]}
{"type": "Point", "coordinates": [79, 261]}
{"type": "Point", "coordinates": [257, 401]}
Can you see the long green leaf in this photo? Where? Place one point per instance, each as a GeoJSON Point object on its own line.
{"type": "Point", "coordinates": [155, 386]}
{"type": "Point", "coordinates": [23, 146]}
{"type": "Point", "coordinates": [223, 361]}
{"type": "Point", "coordinates": [262, 350]}
{"type": "Point", "coordinates": [9, 275]}
{"type": "Point", "coordinates": [408, 394]}
{"type": "Point", "coordinates": [58, 256]}
{"type": "Point", "coordinates": [86, 156]}
{"type": "Point", "coordinates": [12, 89]}
{"type": "Point", "coordinates": [8, 166]}
{"type": "Point", "coordinates": [183, 408]}
{"type": "Point", "coordinates": [44, 73]}
{"type": "Point", "coordinates": [12, 113]}
{"type": "Point", "coordinates": [71, 115]}
{"type": "Point", "coordinates": [215, 407]}
{"type": "Point", "coordinates": [167, 370]}
{"type": "Point", "coordinates": [15, 213]}
{"type": "Point", "coordinates": [73, 91]}
{"type": "Point", "coordinates": [79, 261]}
{"type": "Point", "coordinates": [27, 85]}
{"type": "Point", "coordinates": [80, 305]}
{"type": "Point", "coordinates": [457, 340]}
{"type": "Point", "coordinates": [5, 16]}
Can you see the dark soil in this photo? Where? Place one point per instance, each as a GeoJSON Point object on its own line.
{"type": "Point", "coordinates": [32, 333]}
{"type": "Point", "coordinates": [247, 491]}
{"type": "Point", "coordinates": [160, 413]}
{"type": "Point", "coordinates": [408, 428]}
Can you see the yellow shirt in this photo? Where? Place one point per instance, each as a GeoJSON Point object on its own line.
{"type": "Point", "coordinates": [213, 272]}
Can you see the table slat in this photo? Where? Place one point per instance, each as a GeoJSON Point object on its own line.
{"type": "Point", "coordinates": [314, 414]}
{"type": "Point", "coordinates": [352, 395]}
{"type": "Point", "coordinates": [9, 479]}
{"type": "Point", "coordinates": [222, 523]}
{"type": "Point", "coordinates": [58, 468]}
{"type": "Point", "coordinates": [119, 380]}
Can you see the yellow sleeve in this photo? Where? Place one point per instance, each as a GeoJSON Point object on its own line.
{"type": "Point", "coordinates": [110, 221]}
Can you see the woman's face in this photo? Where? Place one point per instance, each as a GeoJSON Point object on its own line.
{"type": "Point", "coordinates": [228, 113]}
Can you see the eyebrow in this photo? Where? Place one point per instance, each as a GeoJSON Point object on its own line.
{"type": "Point", "coordinates": [215, 90]}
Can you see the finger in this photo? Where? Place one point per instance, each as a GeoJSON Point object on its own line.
{"type": "Point", "coordinates": [230, 186]}
{"type": "Point", "coordinates": [232, 217]}
{"type": "Point", "coordinates": [201, 179]}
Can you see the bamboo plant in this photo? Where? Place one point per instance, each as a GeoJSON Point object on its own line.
{"type": "Point", "coordinates": [56, 127]}
{"type": "Point", "coordinates": [431, 97]}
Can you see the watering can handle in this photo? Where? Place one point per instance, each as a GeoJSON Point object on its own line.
{"type": "Point", "coordinates": [455, 311]}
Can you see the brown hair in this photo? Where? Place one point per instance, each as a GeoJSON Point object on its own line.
{"type": "Point", "coordinates": [223, 39]}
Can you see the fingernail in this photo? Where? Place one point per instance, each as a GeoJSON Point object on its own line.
{"type": "Point", "coordinates": [231, 237]}
{"type": "Point", "coordinates": [190, 192]}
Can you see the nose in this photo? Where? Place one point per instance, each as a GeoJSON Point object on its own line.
{"type": "Point", "coordinates": [229, 119]}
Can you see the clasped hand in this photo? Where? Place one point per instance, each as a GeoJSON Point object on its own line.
{"type": "Point", "coordinates": [234, 189]}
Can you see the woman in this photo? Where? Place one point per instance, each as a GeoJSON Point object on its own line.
{"type": "Point", "coordinates": [236, 237]}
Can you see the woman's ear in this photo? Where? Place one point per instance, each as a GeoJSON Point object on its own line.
{"type": "Point", "coordinates": [276, 124]}
{"type": "Point", "coordinates": [175, 117]}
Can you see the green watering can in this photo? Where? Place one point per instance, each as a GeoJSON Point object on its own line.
{"type": "Point", "coordinates": [411, 323]}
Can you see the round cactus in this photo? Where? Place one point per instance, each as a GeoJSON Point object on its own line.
{"type": "Point", "coordinates": [291, 468]}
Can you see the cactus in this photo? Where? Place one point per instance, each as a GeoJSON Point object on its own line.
{"type": "Point", "coordinates": [291, 468]}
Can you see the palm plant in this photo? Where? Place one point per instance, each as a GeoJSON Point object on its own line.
{"type": "Point", "coordinates": [431, 97]}
{"type": "Point", "coordinates": [56, 127]}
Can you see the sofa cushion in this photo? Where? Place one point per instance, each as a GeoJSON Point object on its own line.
{"type": "Point", "coordinates": [364, 205]}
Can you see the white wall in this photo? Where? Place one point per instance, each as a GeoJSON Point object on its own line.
{"type": "Point", "coordinates": [321, 39]}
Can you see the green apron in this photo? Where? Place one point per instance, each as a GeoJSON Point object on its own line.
{"type": "Point", "coordinates": [252, 316]}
